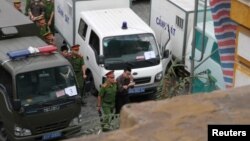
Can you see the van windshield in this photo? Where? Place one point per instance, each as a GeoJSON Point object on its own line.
{"type": "Point", "coordinates": [139, 50]}
{"type": "Point", "coordinates": [45, 85]}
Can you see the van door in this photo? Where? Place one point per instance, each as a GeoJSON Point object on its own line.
{"type": "Point", "coordinates": [92, 54]}
{"type": "Point", "coordinates": [90, 49]}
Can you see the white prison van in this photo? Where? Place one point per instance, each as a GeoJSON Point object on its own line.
{"type": "Point", "coordinates": [114, 38]}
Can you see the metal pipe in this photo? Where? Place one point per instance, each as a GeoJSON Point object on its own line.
{"type": "Point", "coordinates": [193, 46]}
{"type": "Point", "coordinates": [169, 36]}
{"type": "Point", "coordinates": [203, 32]}
{"type": "Point", "coordinates": [206, 58]}
{"type": "Point", "coordinates": [185, 39]}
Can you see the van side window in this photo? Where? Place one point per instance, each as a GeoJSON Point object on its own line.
{"type": "Point", "coordinates": [94, 42]}
{"type": "Point", "coordinates": [82, 30]}
{"type": "Point", "coordinates": [179, 22]}
{"type": "Point", "coordinates": [6, 81]}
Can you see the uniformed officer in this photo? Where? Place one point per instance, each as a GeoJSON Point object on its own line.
{"type": "Point", "coordinates": [42, 25]}
{"type": "Point", "coordinates": [79, 68]}
{"type": "Point", "coordinates": [49, 38]}
{"type": "Point", "coordinates": [106, 99]}
{"type": "Point", "coordinates": [17, 5]}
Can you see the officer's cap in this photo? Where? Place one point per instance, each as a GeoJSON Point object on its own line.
{"type": "Point", "coordinates": [109, 73]}
{"type": "Point", "coordinates": [75, 47]}
{"type": "Point", "coordinates": [16, 1]}
{"type": "Point", "coordinates": [47, 34]}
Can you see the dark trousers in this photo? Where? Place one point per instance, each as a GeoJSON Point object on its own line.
{"type": "Point", "coordinates": [121, 99]}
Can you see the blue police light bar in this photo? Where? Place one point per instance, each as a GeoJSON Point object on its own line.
{"type": "Point", "coordinates": [18, 54]}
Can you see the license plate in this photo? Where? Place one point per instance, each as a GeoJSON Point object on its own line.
{"type": "Point", "coordinates": [136, 90]}
{"type": "Point", "coordinates": [52, 135]}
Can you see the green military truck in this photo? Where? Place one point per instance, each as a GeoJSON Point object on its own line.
{"type": "Point", "coordinates": [38, 94]}
{"type": "Point", "coordinates": [39, 99]}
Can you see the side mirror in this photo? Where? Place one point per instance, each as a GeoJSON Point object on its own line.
{"type": "Point", "coordinates": [100, 59]}
{"type": "Point", "coordinates": [166, 54]}
{"type": "Point", "coordinates": [17, 104]}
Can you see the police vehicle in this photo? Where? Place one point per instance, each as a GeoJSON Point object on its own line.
{"type": "Point", "coordinates": [39, 99]}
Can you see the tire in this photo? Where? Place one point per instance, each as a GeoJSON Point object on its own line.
{"type": "Point", "coordinates": [3, 134]}
{"type": "Point", "coordinates": [90, 85]}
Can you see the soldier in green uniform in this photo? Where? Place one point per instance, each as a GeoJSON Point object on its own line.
{"type": "Point", "coordinates": [17, 5]}
{"type": "Point", "coordinates": [79, 68]}
{"type": "Point", "coordinates": [106, 99]}
{"type": "Point", "coordinates": [42, 25]}
{"type": "Point", "coordinates": [49, 13]}
{"type": "Point", "coordinates": [49, 38]}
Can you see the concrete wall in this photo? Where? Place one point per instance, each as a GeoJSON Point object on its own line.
{"type": "Point", "coordinates": [182, 118]}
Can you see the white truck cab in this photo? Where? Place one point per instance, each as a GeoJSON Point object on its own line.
{"type": "Point", "coordinates": [113, 39]}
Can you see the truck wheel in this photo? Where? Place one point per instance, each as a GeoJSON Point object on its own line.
{"type": "Point", "coordinates": [3, 134]}
{"type": "Point", "coordinates": [90, 87]}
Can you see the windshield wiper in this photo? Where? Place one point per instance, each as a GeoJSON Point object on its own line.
{"type": "Point", "coordinates": [150, 61]}
{"type": "Point", "coordinates": [43, 103]}
{"type": "Point", "coordinates": [153, 60]}
{"type": "Point", "coordinates": [131, 64]}
{"type": "Point", "coordinates": [113, 60]}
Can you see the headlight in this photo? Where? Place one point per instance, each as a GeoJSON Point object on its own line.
{"type": "Point", "coordinates": [76, 121]}
{"type": "Point", "coordinates": [18, 131]}
{"type": "Point", "coordinates": [158, 76]}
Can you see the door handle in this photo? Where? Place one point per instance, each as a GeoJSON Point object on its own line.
{"type": "Point", "coordinates": [87, 57]}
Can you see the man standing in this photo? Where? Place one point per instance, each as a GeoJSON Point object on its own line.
{"type": "Point", "coordinates": [36, 9]}
{"type": "Point", "coordinates": [124, 82]}
{"type": "Point", "coordinates": [65, 52]}
{"type": "Point", "coordinates": [106, 99]}
{"type": "Point", "coordinates": [79, 68]}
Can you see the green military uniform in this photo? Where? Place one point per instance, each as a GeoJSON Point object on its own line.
{"type": "Point", "coordinates": [108, 95]}
{"type": "Point", "coordinates": [27, 6]}
{"type": "Point", "coordinates": [49, 8]}
{"type": "Point", "coordinates": [77, 62]}
{"type": "Point", "coordinates": [44, 30]}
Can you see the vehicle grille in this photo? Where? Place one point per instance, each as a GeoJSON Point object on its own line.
{"type": "Point", "coordinates": [142, 80]}
{"type": "Point", "coordinates": [51, 127]}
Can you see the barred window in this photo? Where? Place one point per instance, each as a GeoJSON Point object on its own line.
{"type": "Point", "coordinates": [179, 22]}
